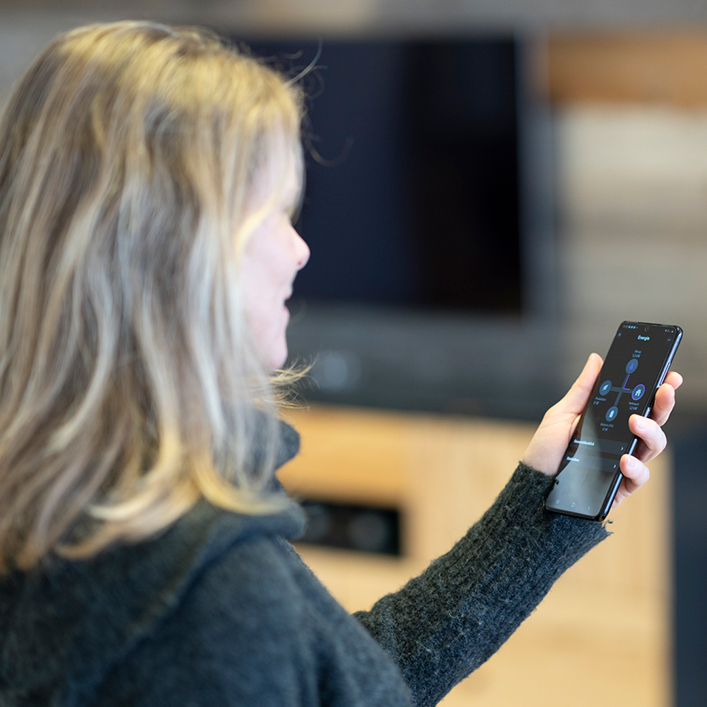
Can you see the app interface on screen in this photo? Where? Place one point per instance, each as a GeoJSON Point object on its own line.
{"type": "Point", "coordinates": [626, 385]}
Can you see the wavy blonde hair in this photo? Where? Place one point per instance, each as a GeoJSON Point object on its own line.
{"type": "Point", "coordinates": [129, 382]}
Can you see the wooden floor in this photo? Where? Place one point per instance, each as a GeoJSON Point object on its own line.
{"type": "Point", "coordinates": [602, 636]}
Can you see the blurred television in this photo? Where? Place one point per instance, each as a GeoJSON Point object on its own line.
{"type": "Point", "coordinates": [428, 213]}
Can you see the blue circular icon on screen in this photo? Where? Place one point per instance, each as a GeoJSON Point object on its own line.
{"type": "Point", "coordinates": [605, 387]}
{"type": "Point", "coordinates": [632, 365]}
{"type": "Point", "coordinates": [637, 392]}
{"type": "Point", "coordinates": [611, 413]}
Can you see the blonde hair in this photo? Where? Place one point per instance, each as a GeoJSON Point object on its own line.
{"type": "Point", "coordinates": [130, 386]}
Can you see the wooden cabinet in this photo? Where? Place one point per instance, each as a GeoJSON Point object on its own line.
{"type": "Point", "coordinates": [601, 636]}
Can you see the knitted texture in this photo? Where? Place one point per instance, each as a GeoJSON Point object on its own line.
{"type": "Point", "coordinates": [444, 624]}
{"type": "Point", "coordinates": [220, 610]}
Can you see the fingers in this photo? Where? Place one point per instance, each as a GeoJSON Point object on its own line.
{"type": "Point", "coordinates": [635, 473]}
{"type": "Point", "coordinates": [665, 398]}
{"type": "Point", "coordinates": [652, 440]}
{"type": "Point", "coordinates": [651, 437]}
{"type": "Point", "coordinates": [673, 379]}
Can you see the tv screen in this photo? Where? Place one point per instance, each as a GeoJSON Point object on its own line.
{"type": "Point", "coordinates": [412, 196]}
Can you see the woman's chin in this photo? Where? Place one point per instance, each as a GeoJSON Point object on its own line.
{"type": "Point", "coordinates": [277, 357]}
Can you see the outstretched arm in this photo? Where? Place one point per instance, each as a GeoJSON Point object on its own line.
{"type": "Point", "coordinates": [445, 623]}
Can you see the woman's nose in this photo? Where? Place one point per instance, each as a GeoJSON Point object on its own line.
{"type": "Point", "coordinates": [302, 251]}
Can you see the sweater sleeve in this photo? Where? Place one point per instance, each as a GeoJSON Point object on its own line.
{"type": "Point", "coordinates": [445, 623]}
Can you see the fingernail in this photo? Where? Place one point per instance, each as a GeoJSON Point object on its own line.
{"type": "Point", "coordinates": [640, 423]}
{"type": "Point", "coordinates": [632, 462]}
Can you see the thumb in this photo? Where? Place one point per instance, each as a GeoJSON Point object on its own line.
{"type": "Point", "coordinates": [573, 403]}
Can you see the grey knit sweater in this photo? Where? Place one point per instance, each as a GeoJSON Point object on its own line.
{"type": "Point", "coordinates": [220, 610]}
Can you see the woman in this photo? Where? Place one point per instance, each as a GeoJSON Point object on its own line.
{"type": "Point", "coordinates": [147, 179]}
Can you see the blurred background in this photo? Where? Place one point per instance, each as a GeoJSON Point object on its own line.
{"type": "Point", "coordinates": [492, 187]}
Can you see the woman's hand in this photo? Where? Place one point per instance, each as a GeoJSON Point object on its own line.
{"type": "Point", "coordinates": [545, 450]}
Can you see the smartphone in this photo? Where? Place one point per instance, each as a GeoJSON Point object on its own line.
{"type": "Point", "coordinates": [635, 367]}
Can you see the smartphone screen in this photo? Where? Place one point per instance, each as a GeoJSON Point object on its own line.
{"type": "Point", "coordinates": [634, 369]}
